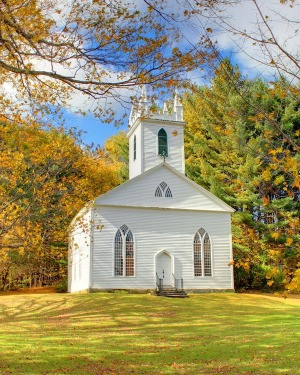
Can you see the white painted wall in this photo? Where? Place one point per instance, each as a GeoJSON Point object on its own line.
{"type": "Point", "coordinates": [141, 192]}
{"type": "Point", "coordinates": [135, 166]}
{"type": "Point", "coordinates": [146, 132]}
{"type": "Point", "coordinates": [155, 230]}
{"type": "Point", "coordinates": [175, 145]}
{"type": "Point", "coordinates": [79, 252]}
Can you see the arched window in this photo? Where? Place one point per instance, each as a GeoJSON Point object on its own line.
{"type": "Point", "coordinates": [202, 254]}
{"type": "Point", "coordinates": [124, 250]}
{"type": "Point", "coordinates": [129, 253]}
{"type": "Point", "coordinates": [163, 190]}
{"type": "Point", "coordinates": [118, 254]}
{"type": "Point", "coordinates": [207, 255]}
{"type": "Point", "coordinates": [168, 193]}
{"type": "Point", "coordinates": [162, 142]}
{"type": "Point", "coordinates": [134, 147]}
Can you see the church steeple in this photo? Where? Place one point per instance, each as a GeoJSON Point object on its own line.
{"type": "Point", "coordinates": [141, 109]}
{"type": "Point", "coordinates": [155, 137]}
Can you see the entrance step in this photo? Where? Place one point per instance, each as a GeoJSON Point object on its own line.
{"type": "Point", "coordinates": [172, 293]}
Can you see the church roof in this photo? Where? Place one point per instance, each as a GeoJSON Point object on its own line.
{"type": "Point", "coordinates": [140, 192]}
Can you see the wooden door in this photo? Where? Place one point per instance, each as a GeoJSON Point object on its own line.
{"type": "Point", "coordinates": [164, 268]}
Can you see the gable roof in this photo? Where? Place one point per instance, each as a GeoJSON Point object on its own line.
{"type": "Point", "coordinates": [139, 192]}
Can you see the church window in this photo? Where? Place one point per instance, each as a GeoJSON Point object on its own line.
{"type": "Point", "coordinates": [129, 254]}
{"type": "Point", "coordinates": [158, 192]}
{"type": "Point", "coordinates": [168, 193]}
{"type": "Point", "coordinates": [162, 142]}
{"type": "Point", "coordinates": [134, 147]}
{"type": "Point", "coordinates": [124, 252]}
{"type": "Point", "coordinates": [119, 254]}
{"type": "Point", "coordinates": [202, 254]}
{"type": "Point", "coordinates": [207, 255]}
{"type": "Point", "coordinates": [163, 190]}
{"type": "Point", "coordinates": [197, 255]}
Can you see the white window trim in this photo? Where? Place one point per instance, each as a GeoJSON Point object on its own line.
{"type": "Point", "coordinates": [168, 148]}
{"type": "Point", "coordinates": [202, 256]}
{"type": "Point", "coordinates": [124, 255]}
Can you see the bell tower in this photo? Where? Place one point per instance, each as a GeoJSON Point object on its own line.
{"type": "Point", "coordinates": [155, 137]}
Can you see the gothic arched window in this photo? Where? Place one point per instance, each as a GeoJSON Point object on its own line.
{"type": "Point", "coordinates": [202, 254]}
{"type": "Point", "coordinates": [162, 142]}
{"type": "Point", "coordinates": [163, 190]}
{"type": "Point", "coordinates": [124, 252]}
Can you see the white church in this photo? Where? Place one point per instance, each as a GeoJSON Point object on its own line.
{"type": "Point", "coordinates": [159, 229]}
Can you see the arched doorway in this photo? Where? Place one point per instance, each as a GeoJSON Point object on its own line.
{"type": "Point", "coordinates": [164, 268]}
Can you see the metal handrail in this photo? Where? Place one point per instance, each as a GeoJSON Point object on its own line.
{"type": "Point", "coordinates": [159, 282]}
{"type": "Point", "coordinates": [176, 281]}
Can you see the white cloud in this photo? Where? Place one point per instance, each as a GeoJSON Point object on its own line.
{"type": "Point", "coordinates": [245, 17]}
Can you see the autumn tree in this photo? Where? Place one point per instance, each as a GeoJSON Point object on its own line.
{"type": "Point", "coordinates": [46, 177]}
{"type": "Point", "coordinates": [102, 49]}
{"type": "Point", "coordinates": [117, 149]}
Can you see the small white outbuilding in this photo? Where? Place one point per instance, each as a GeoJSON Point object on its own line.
{"type": "Point", "coordinates": [159, 228]}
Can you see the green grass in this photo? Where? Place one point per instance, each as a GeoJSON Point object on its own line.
{"type": "Point", "coordinates": [122, 333]}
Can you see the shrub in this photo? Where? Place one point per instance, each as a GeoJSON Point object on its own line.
{"type": "Point", "coordinates": [62, 286]}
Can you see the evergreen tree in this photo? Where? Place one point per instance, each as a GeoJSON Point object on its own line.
{"type": "Point", "coordinates": [239, 145]}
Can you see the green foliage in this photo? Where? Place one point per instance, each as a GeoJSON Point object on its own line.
{"type": "Point", "coordinates": [117, 148]}
{"type": "Point", "coordinates": [242, 144]}
{"type": "Point", "coordinates": [62, 286]}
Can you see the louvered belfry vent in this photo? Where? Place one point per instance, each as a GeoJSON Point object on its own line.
{"type": "Point", "coordinates": [163, 190]}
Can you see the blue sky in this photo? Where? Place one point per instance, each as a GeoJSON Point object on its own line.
{"type": "Point", "coordinates": [94, 131]}
{"type": "Point", "coordinates": [244, 16]}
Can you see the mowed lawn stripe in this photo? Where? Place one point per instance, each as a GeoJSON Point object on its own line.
{"type": "Point", "coordinates": [120, 333]}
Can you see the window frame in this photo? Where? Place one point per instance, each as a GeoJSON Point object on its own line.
{"type": "Point", "coordinates": [202, 254]}
{"type": "Point", "coordinates": [123, 236]}
{"type": "Point", "coordinates": [163, 190]}
{"type": "Point", "coordinates": [134, 147]}
{"type": "Point", "coordinates": [166, 145]}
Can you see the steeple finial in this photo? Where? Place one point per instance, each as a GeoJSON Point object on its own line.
{"type": "Point", "coordinates": [165, 109]}
{"type": "Point", "coordinates": [143, 102]}
{"type": "Point", "coordinates": [140, 108]}
{"type": "Point", "coordinates": [177, 108]}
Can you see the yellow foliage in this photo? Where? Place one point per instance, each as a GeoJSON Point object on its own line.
{"type": "Point", "coordinates": [275, 235]}
{"type": "Point", "coordinates": [278, 180]}
{"type": "Point", "coordinates": [48, 177]}
{"type": "Point", "coordinates": [289, 241]}
{"type": "Point", "coordinates": [266, 175]}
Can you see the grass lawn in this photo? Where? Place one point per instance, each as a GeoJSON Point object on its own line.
{"type": "Point", "coordinates": [120, 333]}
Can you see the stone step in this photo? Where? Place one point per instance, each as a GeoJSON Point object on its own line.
{"type": "Point", "coordinates": [172, 293]}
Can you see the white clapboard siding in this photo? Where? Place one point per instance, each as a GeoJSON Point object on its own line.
{"type": "Point", "coordinates": [140, 191]}
{"type": "Point", "coordinates": [79, 252]}
{"type": "Point", "coordinates": [135, 165]}
{"type": "Point", "coordinates": [146, 133]}
{"type": "Point", "coordinates": [155, 230]}
{"type": "Point", "coordinates": [175, 156]}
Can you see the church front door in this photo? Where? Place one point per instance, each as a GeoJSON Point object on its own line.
{"type": "Point", "coordinates": [164, 268]}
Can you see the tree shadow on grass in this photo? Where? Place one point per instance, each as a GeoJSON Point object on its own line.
{"type": "Point", "coordinates": [123, 334]}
